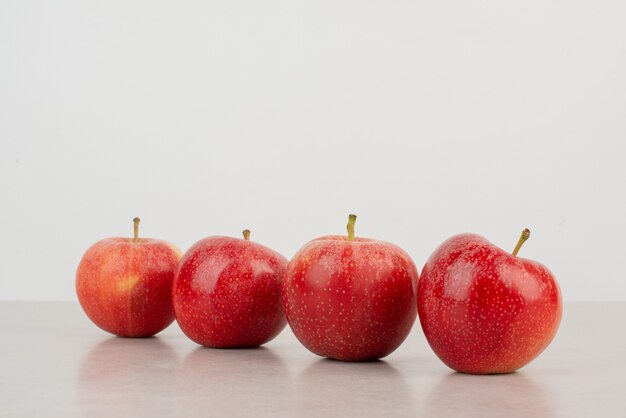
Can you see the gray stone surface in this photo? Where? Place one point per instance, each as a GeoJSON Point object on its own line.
{"type": "Point", "coordinates": [55, 363]}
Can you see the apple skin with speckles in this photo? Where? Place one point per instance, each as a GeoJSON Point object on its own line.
{"type": "Point", "coordinates": [125, 286]}
{"type": "Point", "coordinates": [350, 300]}
{"type": "Point", "coordinates": [484, 310]}
{"type": "Point", "coordinates": [227, 293]}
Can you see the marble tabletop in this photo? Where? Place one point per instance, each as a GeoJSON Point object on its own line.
{"type": "Point", "coordinates": [55, 363]}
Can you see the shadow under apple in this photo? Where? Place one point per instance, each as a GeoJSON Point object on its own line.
{"type": "Point", "coordinates": [234, 382]}
{"type": "Point", "coordinates": [335, 388]}
{"type": "Point", "coordinates": [119, 374]}
{"type": "Point", "coordinates": [500, 395]}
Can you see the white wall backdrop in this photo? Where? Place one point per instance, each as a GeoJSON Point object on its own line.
{"type": "Point", "coordinates": [426, 118]}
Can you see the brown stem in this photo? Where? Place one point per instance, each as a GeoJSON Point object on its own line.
{"type": "Point", "coordinates": [136, 229]}
{"type": "Point", "coordinates": [351, 222]}
{"type": "Point", "coordinates": [522, 239]}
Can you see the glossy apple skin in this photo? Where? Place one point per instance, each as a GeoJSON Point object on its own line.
{"type": "Point", "coordinates": [484, 310]}
{"type": "Point", "coordinates": [350, 300]}
{"type": "Point", "coordinates": [227, 293]}
{"type": "Point", "coordinates": [125, 287]}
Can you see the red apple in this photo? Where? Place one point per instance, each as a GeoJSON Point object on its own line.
{"type": "Point", "coordinates": [227, 292]}
{"type": "Point", "coordinates": [484, 310]}
{"type": "Point", "coordinates": [350, 298]}
{"type": "Point", "coordinates": [125, 284]}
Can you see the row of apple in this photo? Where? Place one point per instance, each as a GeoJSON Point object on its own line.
{"type": "Point", "coordinates": [482, 309]}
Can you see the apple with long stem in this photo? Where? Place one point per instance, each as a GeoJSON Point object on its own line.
{"type": "Point", "coordinates": [124, 285]}
{"type": "Point", "coordinates": [484, 310]}
{"type": "Point", "coordinates": [227, 292]}
{"type": "Point", "coordinates": [350, 298]}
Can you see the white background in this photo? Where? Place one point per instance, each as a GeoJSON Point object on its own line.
{"type": "Point", "coordinates": [426, 118]}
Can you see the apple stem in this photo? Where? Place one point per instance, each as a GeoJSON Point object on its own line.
{"type": "Point", "coordinates": [522, 239]}
{"type": "Point", "coordinates": [136, 229]}
{"type": "Point", "coordinates": [351, 222]}
{"type": "Point", "coordinates": [246, 234]}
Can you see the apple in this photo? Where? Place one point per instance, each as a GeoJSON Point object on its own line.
{"type": "Point", "coordinates": [484, 310]}
{"type": "Point", "coordinates": [350, 298]}
{"type": "Point", "coordinates": [124, 285]}
{"type": "Point", "coordinates": [226, 292]}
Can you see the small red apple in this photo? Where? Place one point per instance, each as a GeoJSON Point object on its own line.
{"type": "Point", "coordinates": [484, 310]}
{"type": "Point", "coordinates": [227, 292]}
{"type": "Point", "coordinates": [350, 298]}
{"type": "Point", "coordinates": [125, 284]}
